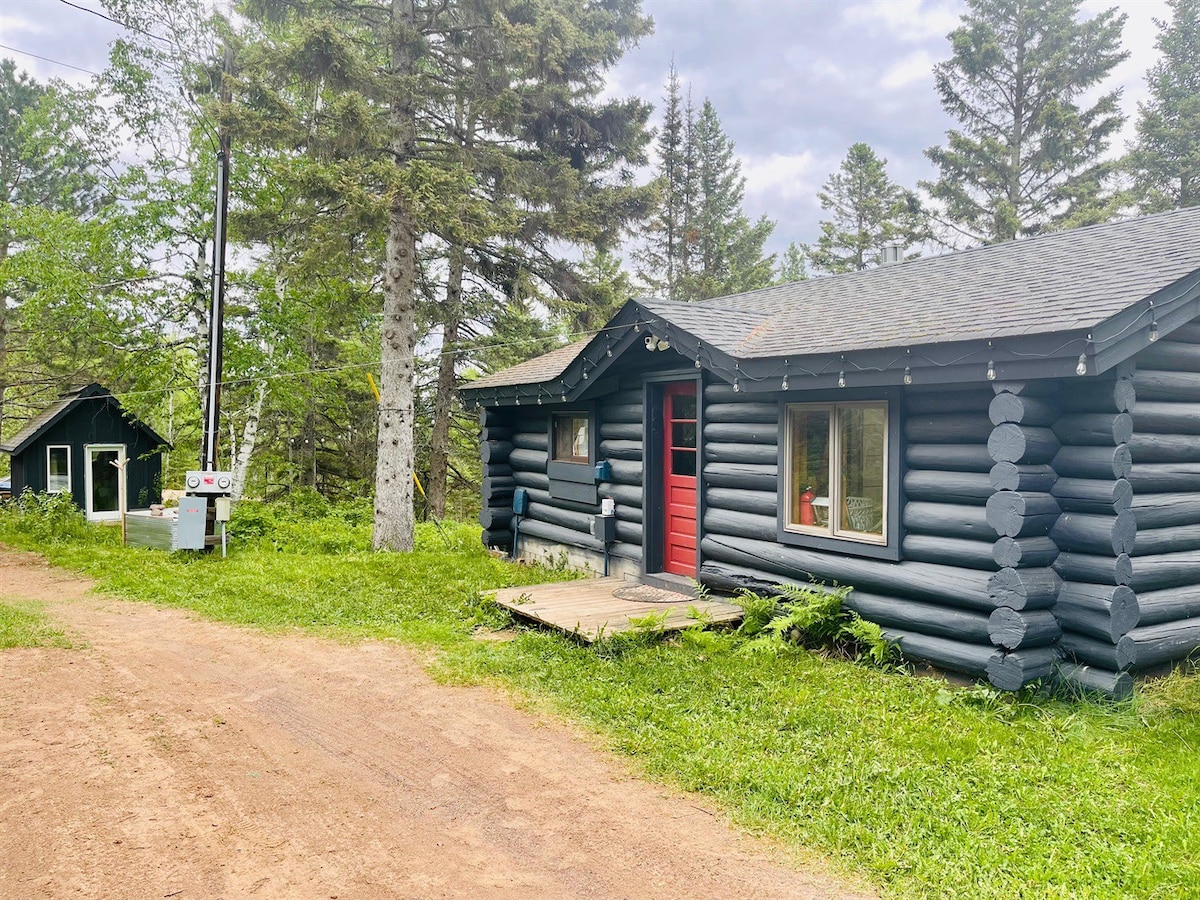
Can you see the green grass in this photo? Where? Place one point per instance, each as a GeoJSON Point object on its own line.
{"type": "Point", "coordinates": [924, 789]}
{"type": "Point", "coordinates": [24, 625]}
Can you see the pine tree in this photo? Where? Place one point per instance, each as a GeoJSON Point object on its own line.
{"type": "Point", "coordinates": [370, 94]}
{"type": "Point", "coordinates": [793, 266]}
{"type": "Point", "coordinates": [1029, 153]}
{"type": "Point", "coordinates": [659, 257]}
{"type": "Point", "coordinates": [1166, 157]}
{"type": "Point", "coordinates": [724, 250]}
{"type": "Point", "coordinates": [868, 210]}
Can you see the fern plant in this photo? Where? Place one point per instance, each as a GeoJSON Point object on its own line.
{"type": "Point", "coordinates": [812, 616]}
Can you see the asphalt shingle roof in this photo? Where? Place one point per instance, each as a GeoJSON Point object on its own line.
{"type": "Point", "coordinates": [542, 368]}
{"type": "Point", "coordinates": [40, 421]}
{"type": "Point", "coordinates": [60, 407]}
{"type": "Point", "coordinates": [1063, 281]}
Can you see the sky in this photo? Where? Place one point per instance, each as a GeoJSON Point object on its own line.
{"type": "Point", "coordinates": [795, 82]}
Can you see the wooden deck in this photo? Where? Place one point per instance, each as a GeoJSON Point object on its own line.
{"type": "Point", "coordinates": [589, 609]}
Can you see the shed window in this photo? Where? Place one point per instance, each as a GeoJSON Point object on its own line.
{"type": "Point", "coordinates": [837, 470]}
{"type": "Point", "coordinates": [570, 438]}
{"type": "Point", "coordinates": [58, 469]}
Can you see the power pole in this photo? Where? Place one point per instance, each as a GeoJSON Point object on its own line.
{"type": "Point", "coordinates": [216, 312]}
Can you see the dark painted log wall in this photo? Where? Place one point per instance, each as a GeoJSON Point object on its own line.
{"type": "Point", "coordinates": [935, 602]}
{"type": "Point", "coordinates": [1096, 527]}
{"type": "Point", "coordinates": [514, 448]}
{"type": "Point", "coordinates": [1165, 556]}
{"type": "Point", "coordinates": [1049, 530]}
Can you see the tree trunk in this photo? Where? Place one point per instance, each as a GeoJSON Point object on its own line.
{"type": "Point", "coordinates": [4, 319]}
{"type": "Point", "coordinates": [443, 403]}
{"type": "Point", "coordinates": [245, 447]}
{"type": "Point", "coordinates": [394, 444]}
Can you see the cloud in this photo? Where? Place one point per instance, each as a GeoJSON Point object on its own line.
{"type": "Point", "coordinates": [914, 68]}
{"type": "Point", "coordinates": [911, 21]}
{"type": "Point", "coordinates": [782, 176]}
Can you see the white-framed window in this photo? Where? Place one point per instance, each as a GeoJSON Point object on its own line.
{"type": "Point", "coordinates": [58, 468]}
{"type": "Point", "coordinates": [570, 437]}
{"type": "Point", "coordinates": [837, 470]}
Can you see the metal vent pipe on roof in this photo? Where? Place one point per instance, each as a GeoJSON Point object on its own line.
{"type": "Point", "coordinates": [891, 253]}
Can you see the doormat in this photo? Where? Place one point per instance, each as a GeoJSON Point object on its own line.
{"type": "Point", "coordinates": [645, 593]}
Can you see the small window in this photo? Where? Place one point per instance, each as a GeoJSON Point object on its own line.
{"type": "Point", "coordinates": [58, 469]}
{"type": "Point", "coordinates": [837, 470]}
{"type": "Point", "coordinates": [570, 438]}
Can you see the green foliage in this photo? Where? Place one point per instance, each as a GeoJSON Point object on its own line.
{"type": "Point", "coordinates": [45, 518]}
{"type": "Point", "coordinates": [1020, 82]}
{"type": "Point", "coordinates": [699, 243]}
{"type": "Point", "coordinates": [1165, 159]}
{"type": "Point", "coordinates": [792, 267]}
{"type": "Point", "coordinates": [22, 625]}
{"type": "Point", "coordinates": [869, 211]}
{"type": "Point", "coordinates": [813, 617]}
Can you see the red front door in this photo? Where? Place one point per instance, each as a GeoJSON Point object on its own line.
{"type": "Point", "coordinates": [680, 466]}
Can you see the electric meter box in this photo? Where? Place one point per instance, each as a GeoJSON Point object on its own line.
{"type": "Point", "coordinates": [190, 523]}
{"type": "Point", "coordinates": [208, 483]}
{"type": "Point", "coordinates": [604, 528]}
{"type": "Point", "coordinates": [520, 501]}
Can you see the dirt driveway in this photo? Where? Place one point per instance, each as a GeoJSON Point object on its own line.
{"type": "Point", "coordinates": [176, 757]}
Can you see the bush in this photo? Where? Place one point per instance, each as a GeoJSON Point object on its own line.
{"type": "Point", "coordinates": [46, 518]}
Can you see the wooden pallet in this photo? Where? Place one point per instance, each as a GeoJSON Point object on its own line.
{"type": "Point", "coordinates": [589, 610]}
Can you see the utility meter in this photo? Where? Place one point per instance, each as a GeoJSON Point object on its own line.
{"type": "Point", "coordinates": [208, 482]}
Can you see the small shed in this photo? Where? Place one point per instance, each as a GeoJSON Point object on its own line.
{"type": "Point", "coordinates": [998, 449]}
{"type": "Point", "coordinates": [72, 445]}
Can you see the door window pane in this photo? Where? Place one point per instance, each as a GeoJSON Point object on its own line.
{"type": "Point", "coordinates": [683, 434]}
{"type": "Point", "coordinates": [862, 439]}
{"type": "Point", "coordinates": [105, 481]}
{"type": "Point", "coordinates": [58, 469]}
{"type": "Point", "coordinates": [683, 462]}
{"type": "Point", "coordinates": [683, 406]}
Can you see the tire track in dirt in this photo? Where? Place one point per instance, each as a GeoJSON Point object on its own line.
{"type": "Point", "coordinates": [184, 758]}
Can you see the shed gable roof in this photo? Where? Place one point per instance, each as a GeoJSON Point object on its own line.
{"type": "Point", "coordinates": [62, 407]}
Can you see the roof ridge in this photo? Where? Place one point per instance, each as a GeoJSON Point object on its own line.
{"type": "Point", "coordinates": [1012, 244]}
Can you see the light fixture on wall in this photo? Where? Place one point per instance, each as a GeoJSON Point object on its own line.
{"type": "Point", "coordinates": [1081, 367]}
{"type": "Point", "coordinates": [842, 378]}
{"type": "Point", "coordinates": [991, 370]}
{"type": "Point", "coordinates": [651, 342]}
{"type": "Point", "coordinates": [1153, 324]}
{"type": "Point", "coordinates": [907, 375]}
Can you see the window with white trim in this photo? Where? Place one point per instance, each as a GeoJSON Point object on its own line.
{"type": "Point", "coordinates": [58, 469]}
{"type": "Point", "coordinates": [837, 470]}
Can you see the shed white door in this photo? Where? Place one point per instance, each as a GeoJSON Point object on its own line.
{"type": "Point", "coordinates": [102, 481]}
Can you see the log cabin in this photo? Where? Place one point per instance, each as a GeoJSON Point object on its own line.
{"type": "Point", "coordinates": [998, 449]}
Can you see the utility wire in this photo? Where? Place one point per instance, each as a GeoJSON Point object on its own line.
{"type": "Point", "coordinates": [55, 62]}
{"type": "Point", "coordinates": [126, 25]}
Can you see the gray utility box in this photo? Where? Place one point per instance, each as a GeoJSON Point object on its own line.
{"type": "Point", "coordinates": [190, 523]}
{"type": "Point", "coordinates": [604, 528]}
{"type": "Point", "coordinates": [184, 531]}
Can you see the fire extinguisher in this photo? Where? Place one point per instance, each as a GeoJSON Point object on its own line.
{"type": "Point", "coordinates": [807, 516]}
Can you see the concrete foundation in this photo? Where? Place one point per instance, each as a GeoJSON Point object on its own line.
{"type": "Point", "coordinates": [532, 549]}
